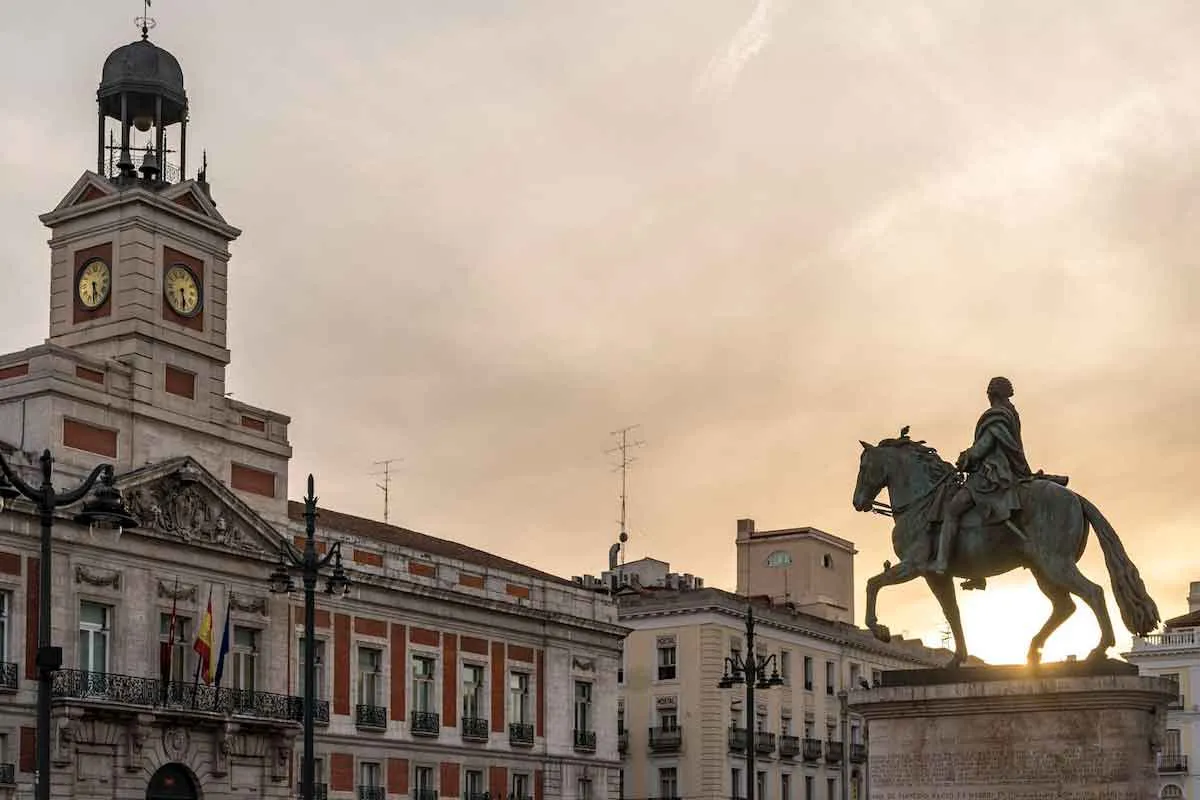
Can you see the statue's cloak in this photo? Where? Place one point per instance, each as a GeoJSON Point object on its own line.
{"type": "Point", "coordinates": [998, 465]}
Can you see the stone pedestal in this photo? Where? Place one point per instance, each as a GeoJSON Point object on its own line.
{"type": "Point", "coordinates": [1069, 731]}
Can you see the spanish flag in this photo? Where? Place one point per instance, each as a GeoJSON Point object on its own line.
{"type": "Point", "coordinates": [204, 643]}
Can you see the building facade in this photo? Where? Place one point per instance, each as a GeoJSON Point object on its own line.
{"type": "Point", "coordinates": [445, 672]}
{"type": "Point", "coordinates": [1175, 653]}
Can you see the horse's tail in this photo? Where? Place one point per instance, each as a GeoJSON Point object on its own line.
{"type": "Point", "coordinates": [1138, 610]}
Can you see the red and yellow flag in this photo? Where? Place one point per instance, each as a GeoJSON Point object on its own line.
{"type": "Point", "coordinates": [204, 643]}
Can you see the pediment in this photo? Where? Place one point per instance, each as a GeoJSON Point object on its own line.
{"type": "Point", "coordinates": [89, 187]}
{"type": "Point", "coordinates": [188, 195]}
{"type": "Point", "coordinates": [180, 500]}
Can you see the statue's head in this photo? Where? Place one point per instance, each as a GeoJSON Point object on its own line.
{"type": "Point", "coordinates": [1000, 387]}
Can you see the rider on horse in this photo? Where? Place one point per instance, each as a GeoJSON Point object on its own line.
{"type": "Point", "coordinates": [995, 465]}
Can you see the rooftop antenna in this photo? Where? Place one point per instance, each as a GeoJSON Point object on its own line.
{"type": "Point", "coordinates": [946, 636]}
{"type": "Point", "coordinates": [145, 21]}
{"type": "Point", "coordinates": [624, 444]}
{"type": "Point", "coordinates": [387, 483]}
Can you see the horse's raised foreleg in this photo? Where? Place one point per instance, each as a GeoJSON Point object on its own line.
{"type": "Point", "coordinates": [892, 576]}
{"type": "Point", "coordinates": [1063, 608]}
{"type": "Point", "coordinates": [942, 587]}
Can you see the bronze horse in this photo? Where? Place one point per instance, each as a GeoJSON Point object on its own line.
{"type": "Point", "coordinates": [1053, 527]}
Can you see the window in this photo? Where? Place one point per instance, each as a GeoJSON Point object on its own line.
{"type": "Point", "coordinates": [620, 716]}
{"type": "Point", "coordinates": [666, 663]}
{"type": "Point", "coordinates": [319, 671]}
{"type": "Point", "coordinates": [245, 657]}
{"type": "Point", "coordinates": [620, 784]}
{"type": "Point", "coordinates": [785, 786]}
{"type": "Point", "coordinates": [473, 784]}
{"type": "Point", "coordinates": [472, 692]}
{"type": "Point", "coordinates": [761, 786]}
{"type": "Point", "coordinates": [785, 725]}
{"type": "Point", "coordinates": [518, 698]}
{"type": "Point", "coordinates": [810, 790]}
{"type": "Point", "coordinates": [583, 789]}
{"type": "Point", "coordinates": [621, 666]}
{"type": "Point", "coordinates": [668, 719]}
{"type": "Point", "coordinates": [368, 774]}
{"type": "Point", "coordinates": [318, 773]}
{"type": "Point", "coordinates": [5, 605]}
{"type": "Point", "coordinates": [876, 677]}
{"type": "Point", "coordinates": [422, 685]}
{"type": "Point", "coordinates": [1172, 744]}
{"type": "Point", "coordinates": [855, 733]}
{"type": "Point", "coordinates": [735, 650]}
{"type": "Point", "coordinates": [827, 561]}
{"type": "Point", "coordinates": [423, 782]}
{"type": "Point", "coordinates": [94, 628]}
{"type": "Point", "coordinates": [180, 649]}
{"type": "Point", "coordinates": [830, 677]}
{"type": "Point", "coordinates": [831, 788]}
{"type": "Point", "coordinates": [855, 676]}
{"type": "Point", "coordinates": [520, 785]}
{"type": "Point", "coordinates": [370, 676]}
{"type": "Point", "coordinates": [668, 782]}
{"type": "Point", "coordinates": [785, 666]}
{"type": "Point", "coordinates": [735, 783]}
{"type": "Point", "coordinates": [808, 673]}
{"type": "Point", "coordinates": [583, 706]}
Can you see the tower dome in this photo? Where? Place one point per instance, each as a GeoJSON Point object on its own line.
{"type": "Point", "coordinates": [144, 73]}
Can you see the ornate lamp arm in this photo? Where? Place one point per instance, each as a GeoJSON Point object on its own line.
{"type": "Point", "coordinates": [16, 480]}
{"type": "Point", "coordinates": [80, 492]}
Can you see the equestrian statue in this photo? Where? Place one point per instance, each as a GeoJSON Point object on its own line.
{"type": "Point", "coordinates": [989, 514]}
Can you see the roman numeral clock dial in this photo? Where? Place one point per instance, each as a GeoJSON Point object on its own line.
{"type": "Point", "coordinates": [95, 282]}
{"type": "Point", "coordinates": [182, 291]}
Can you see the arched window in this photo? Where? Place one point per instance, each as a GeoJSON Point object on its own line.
{"type": "Point", "coordinates": [172, 782]}
{"type": "Point", "coordinates": [1171, 791]}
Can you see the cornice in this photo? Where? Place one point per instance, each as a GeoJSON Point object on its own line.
{"type": "Point", "coordinates": [130, 196]}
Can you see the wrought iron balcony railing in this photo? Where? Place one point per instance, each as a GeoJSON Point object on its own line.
{"type": "Point", "coordinates": [812, 749]}
{"type": "Point", "coordinates": [764, 743]}
{"type": "Point", "coordinates": [424, 794]}
{"type": "Point", "coordinates": [622, 741]}
{"type": "Point", "coordinates": [320, 790]}
{"type": "Point", "coordinates": [371, 793]}
{"type": "Point", "coordinates": [8, 774]}
{"type": "Point", "coordinates": [475, 729]}
{"type": "Point", "coordinates": [476, 796]}
{"type": "Point", "coordinates": [425, 723]}
{"type": "Point", "coordinates": [585, 741]}
{"type": "Point", "coordinates": [666, 740]}
{"type": "Point", "coordinates": [833, 752]}
{"type": "Point", "coordinates": [858, 752]}
{"type": "Point", "coordinates": [320, 711]}
{"type": "Point", "coordinates": [789, 746]}
{"type": "Point", "coordinates": [370, 717]}
{"type": "Point", "coordinates": [520, 734]}
{"type": "Point", "coordinates": [8, 676]}
{"type": "Point", "coordinates": [1172, 763]}
{"type": "Point", "coordinates": [737, 740]}
{"type": "Point", "coordinates": [107, 687]}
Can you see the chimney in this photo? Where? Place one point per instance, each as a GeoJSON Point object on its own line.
{"type": "Point", "coordinates": [745, 528]}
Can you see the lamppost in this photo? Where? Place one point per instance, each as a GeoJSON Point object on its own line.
{"type": "Point", "coordinates": [309, 565]}
{"type": "Point", "coordinates": [104, 510]}
{"type": "Point", "coordinates": [752, 671]}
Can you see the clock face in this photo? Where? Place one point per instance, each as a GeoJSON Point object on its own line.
{"type": "Point", "coordinates": [95, 282]}
{"type": "Point", "coordinates": [182, 291]}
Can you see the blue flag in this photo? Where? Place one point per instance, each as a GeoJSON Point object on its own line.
{"type": "Point", "coordinates": [224, 652]}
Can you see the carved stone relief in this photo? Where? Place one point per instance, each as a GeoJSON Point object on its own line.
{"type": "Point", "coordinates": [178, 507]}
{"type": "Point", "coordinates": [670, 701]}
{"type": "Point", "coordinates": [666, 641]}
{"type": "Point", "coordinates": [139, 731]}
{"type": "Point", "coordinates": [180, 593]}
{"type": "Point", "coordinates": [250, 605]}
{"type": "Point", "coordinates": [98, 577]}
{"type": "Point", "coordinates": [583, 664]}
{"type": "Point", "coordinates": [176, 741]}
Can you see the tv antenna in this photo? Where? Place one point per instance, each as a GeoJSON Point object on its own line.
{"type": "Point", "coordinates": [946, 636]}
{"type": "Point", "coordinates": [386, 486]}
{"type": "Point", "coordinates": [624, 445]}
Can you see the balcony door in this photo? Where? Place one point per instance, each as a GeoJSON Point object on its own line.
{"type": "Point", "coordinates": [172, 782]}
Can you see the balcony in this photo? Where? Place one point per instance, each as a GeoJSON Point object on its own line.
{"type": "Point", "coordinates": [8, 774]}
{"type": "Point", "coordinates": [764, 743]}
{"type": "Point", "coordinates": [1183, 639]}
{"type": "Point", "coordinates": [320, 791]}
{"type": "Point", "coordinates": [737, 740]}
{"type": "Point", "coordinates": [833, 752]}
{"type": "Point", "coordinates": [858, 753]}
{"type": "Point", "coordinates": [622, 741]}
{"type": "Point", "coordinates": [812, 749]}
{"type": "Point", "coordinates": [370, 793]}
{"type": "Point", "coordinates": [370, 718]}
{"type": "Point", "coordinates": [585, 741]}
{"type": "Point", "coordinates": [520, 734]}
{"type": "Point", "coordinates": [666, 672]}
{"type": "Point", "coordinates": [789, 746]}
{"type": "Point", "coordinates": [109, 689]}
{"type": "Point", "coordinates": [474, 729]}
{"type": "Point", "coordinates": [1172, 764]}
{"type": "Point", "coordinates": [320, 711]}
{"type": "Point", "coordinates": [666, 740]}
{"type": "Point", "coordinates": [424, 723]}
{"type": "Point", "coordinates": [8, 676]}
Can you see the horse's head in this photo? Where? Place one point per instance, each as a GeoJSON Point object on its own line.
{"type": "Point", "coordinates": [872, 476]}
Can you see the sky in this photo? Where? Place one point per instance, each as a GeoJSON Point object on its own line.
{"type": "Point", "coordinates": [480, 235]}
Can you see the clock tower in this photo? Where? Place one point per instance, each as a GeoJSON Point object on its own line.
{"type": "Point", "coordinates": [133, 371]}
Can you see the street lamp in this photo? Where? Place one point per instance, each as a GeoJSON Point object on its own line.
{"type": "Point", "coordinates": [104, 510]}
{"type": "Point", "coordinates": [309, 565]}
{"type": "Point", "coordinates": [752, 671]}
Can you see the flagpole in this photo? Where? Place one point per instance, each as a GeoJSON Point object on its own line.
{"type": "Point", "coordinates": [168, 663]}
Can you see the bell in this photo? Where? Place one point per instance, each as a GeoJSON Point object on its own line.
{"type": "Point", "coordinates": [149, 166]}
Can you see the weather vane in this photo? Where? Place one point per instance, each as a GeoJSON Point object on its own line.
{"type": "Point", "coordinates": [145, 21]}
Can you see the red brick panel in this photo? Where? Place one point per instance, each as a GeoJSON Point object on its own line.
{"type": "Point", "coordinates": [470, 581]}
{"type": "Point", "coordinates": [85, 374]}
{"type": "Point", "coordinates": [10, 563]}
{"type": "Point", "coordinates": [450, 682]}
{"type": "Point", "coordinates": [424, 636]}
{"type": "Point", "coordinates": [368, 558]}
{"type": "Point", "coordinates": [498, 781]}
{"type": "Point", "coordinates": [539, 677]}
{"type": "Point", "coordinates": [252, 480]}
{"type": "Point", "coordinates": [14, 371]}
{"type": "Point", "coordinates": [538, 779]}
{"type": "Point", "coordinates": [31, 616]}
{"type": "Point", "coordinates": [499, 687]}
{"type": "Point", "coordinates": [180, 382]}
{"type": "Point", "coordinates": [81, 436]}
{"type": "Point", "coordinates": [254, 423]}
{"type": "Point", "coordinates": [320, 617]}
{"type": "Point", "coordinates": [319, 546]}
{"type": "Point", "coordinates": [81, 312]}
{"type": "Point", "coordinates": [399, 679]}
{"type": "Point", "coordinates": [518, 653]}
{"type": "Point", "coordinates": [517, 591]}
{"type": "Point", "coordinates": [341, 772]}
{"type": "Point", "coordinates": [341, 664]}
{"type": "Point", "coordinates": [92, 192]}
{"type": "Point", "coordinates": [424, 570]}
{"type": "Point", "coordinates": [397, 777]}
{"type": "Point", "coordinates": [448, 785]}
{"type": "Point", "coordinates": [171, 257]}
{"type": "Point", "coordinates": [370, 627]}
{"type": "Point", "coordinates": [27, 757]}
{"type": "Point", "coordinates": [469, 644]}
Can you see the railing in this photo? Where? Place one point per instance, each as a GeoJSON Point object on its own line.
{"type": "Point", "coordinates": [320, 711]}
{"type": "Point", "coordinates": [320, 791]}
{"type": "Point", "coordinates": [425, 723]}
{"type": "Point", "coordinates": [764, 743]}
{"type": "Point", "coordinates": [737, 740]}
{"type": "Point", "coordinates": [585, 741]}
{"type": "Point", "coordinates": [666, 672]}
{"type": "Point", "coordinates": [666, 740]}
{"type": "Point", "coordinates": [622, 740]}
{"type": "Point", "coordinates": [169, 172]}
{"type": "Point", "coordinates": [475, 729]}
{"type": "Point", "coordinates": [476, 796]}
{"type": "Point", "coordinates": [154, 693]}
{"type": "Point", "coordinates": [8, 676]}
{"type": "Point", "coordinates": [8, 774]}
{"type": "Point", "coordinates": [520, 734]}
{"type": "Point", "coordinates": [1169, 763]}
{"type": "Point", "coordinates": [370, 716]}
{"type": "Point", "coordinates": [371, 793]}
{"type": "Point", "coordinates": [1186, 637]}
{"type": "Point", "coordinates": [833, 752]}
{"type": "Point", "coordinates": [424, 794]}
{"type": "Point", "coordinates": [812, 749]}
{"type": "Point", "coordinates": [789, 746]}
{"type": "Point", "coordinates": [858, 752]}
